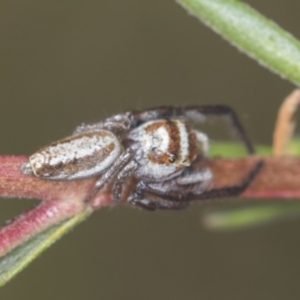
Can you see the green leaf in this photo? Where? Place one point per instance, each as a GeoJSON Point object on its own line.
{"type": "Point", "coordinates": [16, 260]}
{"type": "Point", "coordinates": [294, 146]}
{"type": "Point", "coordinates": [238, 218]}
{"type": "Point", "coordinates": [231, 149]}
{"type": "Point", "coordinates": [252, 33]}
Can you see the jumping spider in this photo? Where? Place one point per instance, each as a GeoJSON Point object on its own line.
{"type": "Point", "coordinates": [156, 146]}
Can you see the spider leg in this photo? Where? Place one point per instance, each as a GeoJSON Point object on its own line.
{"type": "Point", "coordinates": [174, 190]}
{"type": "Point", "coordinates": [203, 140]}
{"type": "Point", "coordinates": [197, 114]}
{"type": "Point", "coordinates": [124, 174]}
{"type": "Point", "coordinates": [118, 165]}
{"type": "Point", "coordinates": [123, 122]}
{"type": "Point", "coordinates": [189, 177]}
{"type": "Point", "coordinates": [118, 123]}
{"type": "Point", "coordinates": [152, 202]}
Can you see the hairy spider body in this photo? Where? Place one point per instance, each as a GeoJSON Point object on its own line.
{"type": "Point", "coordinates": [74, 157]}
{"type": "Point", "coordinates": [157, 147]}
{"type": "Point", "coordinates": [164, 148]}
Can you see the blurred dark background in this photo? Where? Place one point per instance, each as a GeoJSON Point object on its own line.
{"type": "Point", "coordinates": [68, 62]}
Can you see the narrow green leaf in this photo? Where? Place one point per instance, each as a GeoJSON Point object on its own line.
{"type": "Point", "coordinates": [294, 146]}
{"type": "Point", "coordinates": [238, 218]}
{"type": "Point", "coordinates": [252, 33]}
{"type": "Point", "coordinates": [231, 149]}
{"type": "Point", "coordinates": [16, 260]}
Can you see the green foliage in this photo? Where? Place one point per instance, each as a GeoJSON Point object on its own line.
{"type": "Point", "coordinates": [230, 149]}
{"type": "Point", "coordinates": [238, 218]}
{"type": "Point", "coordinates": [17, 259]}
{"type": "Point", "coordinates": [252, 33]}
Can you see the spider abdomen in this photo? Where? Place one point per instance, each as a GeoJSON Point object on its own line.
{"type": "Point", "coordinates": [78, 156]}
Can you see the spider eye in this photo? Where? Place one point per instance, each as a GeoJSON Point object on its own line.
{"type": "Point", "coordinates": [172, 158]}
{"type": "Point", "coordinates": [154, 150]}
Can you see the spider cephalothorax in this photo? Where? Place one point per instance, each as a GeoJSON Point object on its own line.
{"type": "Point", "coordinates": [163, 148]}
{"type": "Point", "coordinates": [156, 146]}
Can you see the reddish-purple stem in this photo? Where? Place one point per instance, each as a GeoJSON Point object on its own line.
{"type": "Point", "coordinates": [279, 177]}
{"type": "Point", "coordinates": [29, 223]}
{"type": "Point", "coordinates": [60, 200]}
